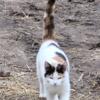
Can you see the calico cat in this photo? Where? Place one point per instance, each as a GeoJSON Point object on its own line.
{"type": "Point", "coordinates": [52, 63]}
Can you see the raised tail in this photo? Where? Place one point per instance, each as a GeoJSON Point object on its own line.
{"type": "Point", "coordinates": [49, 21]}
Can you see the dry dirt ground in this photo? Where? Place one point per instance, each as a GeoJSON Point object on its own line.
{"type": "Point", "coordinates": [77, 31]}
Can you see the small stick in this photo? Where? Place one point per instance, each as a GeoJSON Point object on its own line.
{"type": "Point", "coordinates": [81, 77]}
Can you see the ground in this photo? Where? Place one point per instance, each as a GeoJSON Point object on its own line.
{"type": "Point", "coordinates": [77, 31]}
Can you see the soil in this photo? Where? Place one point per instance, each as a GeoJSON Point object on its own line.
{"type": "Point", "coordinates": [77, 31]}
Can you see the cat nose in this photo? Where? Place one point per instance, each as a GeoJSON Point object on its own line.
{"type": "Point", "coordinates": [55, 84]}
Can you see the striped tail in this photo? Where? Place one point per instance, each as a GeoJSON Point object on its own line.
{"type": "Point", "coordinates": [49, 21]}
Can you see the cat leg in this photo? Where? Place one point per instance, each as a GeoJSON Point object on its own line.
{"type": "Point", "coordinates": [42, 92]}
{"type": "Point", "coordinates": [41, 82]}
{"type": "Point", "coordinates": [50, 96]}
{"type": "Point", "coordinates": [65, 96]}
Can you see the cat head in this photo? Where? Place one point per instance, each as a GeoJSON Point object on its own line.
{"type": "Point", "coordinates": [54, 71]}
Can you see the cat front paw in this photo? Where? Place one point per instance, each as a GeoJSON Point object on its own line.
{"type": "Point", "coordinates": [42, 98]}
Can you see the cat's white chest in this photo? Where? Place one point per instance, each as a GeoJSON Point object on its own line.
{"type": "Point", "coordinates": [54, 88]}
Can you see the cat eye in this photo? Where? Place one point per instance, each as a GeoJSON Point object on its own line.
{"type": "Point", "coordinates": [59, 77]}
{"type": "Point", "coordinates": [51, 77]}
{"type": "Point", "coordinates": [61, 69]}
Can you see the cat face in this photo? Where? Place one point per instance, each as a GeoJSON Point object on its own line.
{"type": "Point", "coordinates": [54, 74]}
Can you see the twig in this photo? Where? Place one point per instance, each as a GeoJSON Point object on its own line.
{"type": "Point", "coordinates": [81, 77]}
{"type": "Point", "coordinates": [28, 68]}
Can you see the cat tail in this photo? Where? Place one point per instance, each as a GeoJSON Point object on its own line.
{"type": "Point", "coordinates": [49, 21]}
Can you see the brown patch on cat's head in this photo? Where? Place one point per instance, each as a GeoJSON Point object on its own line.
{"type": "Point", "coordinates": [58, 59]}
{"type": "Point", "coordinates": [61, 63]}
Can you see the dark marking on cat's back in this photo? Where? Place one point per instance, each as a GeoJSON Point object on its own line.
{"type": "Point", "coordinates": [61, 55]}
{"type": "Point", "coordinates": [53, 44]}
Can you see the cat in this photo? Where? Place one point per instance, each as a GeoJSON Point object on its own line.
{"type": "Point", "coordinates": [52, 63]}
